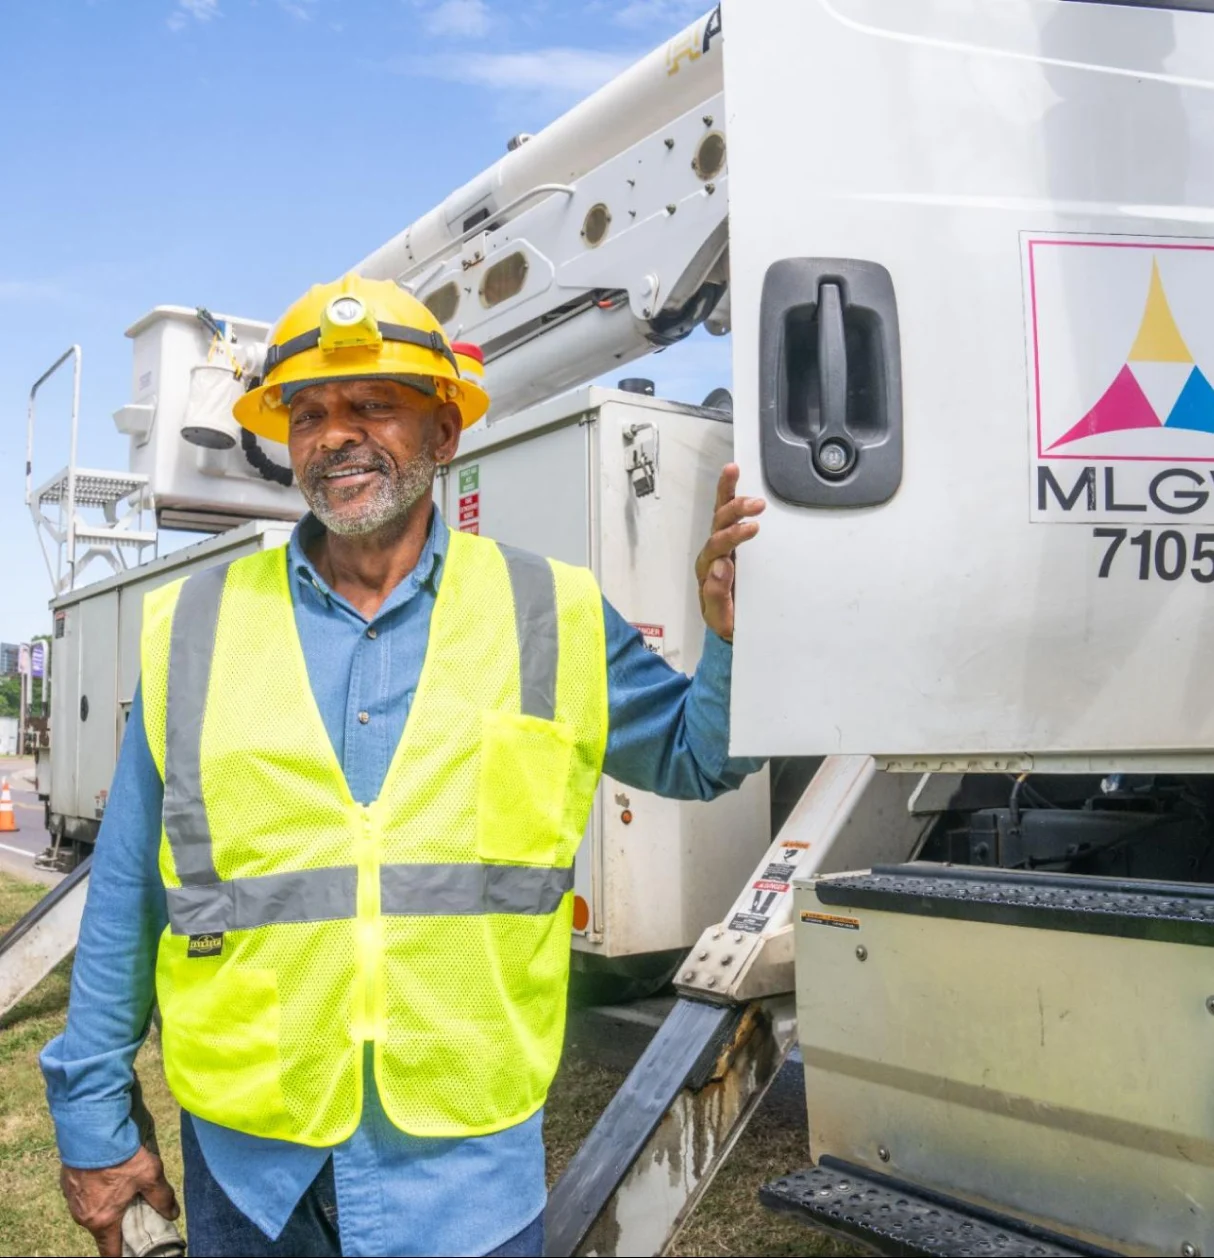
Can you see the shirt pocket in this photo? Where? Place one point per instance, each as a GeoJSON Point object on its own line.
{"type": "Point", "coordinates": [524, 778]}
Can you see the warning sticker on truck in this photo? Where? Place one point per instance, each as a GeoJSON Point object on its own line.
{"type": "Point", "coordinates": [1121, 387]}
{"type": "Point", "coordinates": [829, 919]}
{"type": "Point", "coordinates": [654, 637]}
{"type": "Point", "coordinates": [751, 923]}
{"type": "Point", "coordinates": [469, 499]}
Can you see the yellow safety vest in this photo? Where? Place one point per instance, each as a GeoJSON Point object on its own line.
{"type": "Point", "coordinates": [433, 923]}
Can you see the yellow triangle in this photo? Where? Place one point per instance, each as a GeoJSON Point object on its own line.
{"type": "Point", "coordinates": [1159, 339]}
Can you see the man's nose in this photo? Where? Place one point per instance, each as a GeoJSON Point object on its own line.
{"type": "Point", "coordinates": [341, 429]}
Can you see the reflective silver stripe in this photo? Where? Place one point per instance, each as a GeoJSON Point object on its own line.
{"type": "Point", "coordinates": [326, 895]}
{"type": "Point", "coordinates": [191, 650]}
{"type": "Point", "coordinates": [534, 590]}
{"type": "Point", "coordinates": [472, 890]}
{"type": "Point", "coordinates": [307, 895]}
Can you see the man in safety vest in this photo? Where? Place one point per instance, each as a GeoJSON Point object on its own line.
{"type": "Point", "coordinates": [339, 844]}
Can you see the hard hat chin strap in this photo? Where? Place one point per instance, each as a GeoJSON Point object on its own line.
{"type": "Point", "coordinates": [278, 354]}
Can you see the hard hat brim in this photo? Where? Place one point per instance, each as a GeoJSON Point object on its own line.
{"type": "Point", "coordinates": [262, 412]}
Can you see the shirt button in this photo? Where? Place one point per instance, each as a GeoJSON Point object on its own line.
{"type": "Point", "coordinates": [372, 633]}
{"type": "Point", "coordinates": [364, 717]}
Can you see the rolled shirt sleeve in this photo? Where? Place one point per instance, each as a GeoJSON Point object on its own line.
{"type": "Point", "coordinates": [89, 1068]}
{"type": "Point", "coordinates": [669, 733]}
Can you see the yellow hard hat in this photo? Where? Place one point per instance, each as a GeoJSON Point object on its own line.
{"type": "Point", "coordinates": [356, 327]}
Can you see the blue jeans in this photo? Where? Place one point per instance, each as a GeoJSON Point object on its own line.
{"type": "Point", "coordinates": [218, 1230]}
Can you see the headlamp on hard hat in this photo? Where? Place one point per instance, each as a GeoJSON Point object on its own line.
{"type": "Point", "coordinates": [346, 323]}
{"type": "Point", "coordinates": [383, 330]}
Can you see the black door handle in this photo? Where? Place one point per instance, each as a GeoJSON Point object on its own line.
{"type": "Point", "coordinates": [834, 454]}
{"type": "Point", "coordinates": [830, 383]}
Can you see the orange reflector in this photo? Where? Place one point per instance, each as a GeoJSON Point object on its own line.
{"type": "Point", "coordinates": [581, 913]}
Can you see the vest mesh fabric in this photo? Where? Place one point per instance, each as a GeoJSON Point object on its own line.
{"type": "Point", "coordinates": [466, 1011]}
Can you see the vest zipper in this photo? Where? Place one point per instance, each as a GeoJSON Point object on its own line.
{"type": "Point", "coordinates": [368, 931]}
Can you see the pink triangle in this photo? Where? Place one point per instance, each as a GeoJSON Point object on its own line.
{"type": "Point", "coordinates": [1124, 405]}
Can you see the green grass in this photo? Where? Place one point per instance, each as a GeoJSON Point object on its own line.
{"type": "Point", "coordinates": [34, 1220]}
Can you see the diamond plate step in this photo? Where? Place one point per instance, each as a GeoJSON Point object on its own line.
{"type": "Point", "coordinates": [894, 1218]}
{"type": "Point", "coordinates": [1132, 908]}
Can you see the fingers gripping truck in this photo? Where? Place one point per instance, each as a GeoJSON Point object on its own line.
{"type": "Point", "coordinates": [964, 250]}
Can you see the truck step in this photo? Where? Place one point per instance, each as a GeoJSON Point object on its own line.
{"type": "Point", "coordinates": [1128, 907]}
{"type": "Point", "coordinates": [895, 1218]}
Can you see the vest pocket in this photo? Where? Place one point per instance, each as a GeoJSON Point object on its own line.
{"type": "Point", "coordinates": [525, 765]}
{"type": "Point", "coordinates": [221, 1057]}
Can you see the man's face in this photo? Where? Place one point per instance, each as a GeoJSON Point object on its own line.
{"type": "Point", "coordinates": [365, 451]}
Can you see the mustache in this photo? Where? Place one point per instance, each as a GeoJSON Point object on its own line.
{"type": "Point", "coordinates": [339, 461]}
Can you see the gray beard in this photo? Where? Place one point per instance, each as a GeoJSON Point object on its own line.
{"type": "Point", "coordinates": [388, 502]}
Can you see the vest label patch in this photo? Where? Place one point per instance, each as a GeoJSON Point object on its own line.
{"type": "Point", "coordinates": [204, 946]}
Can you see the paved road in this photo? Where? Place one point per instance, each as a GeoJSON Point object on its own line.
{"type": "Point", "coordinates": [17, 851]}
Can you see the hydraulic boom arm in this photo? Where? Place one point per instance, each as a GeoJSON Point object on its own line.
{"type": "Point", "coordinates": [597, 241]}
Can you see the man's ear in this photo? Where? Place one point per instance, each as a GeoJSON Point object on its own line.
{"type": "Point", "coordinates": [448, 424]}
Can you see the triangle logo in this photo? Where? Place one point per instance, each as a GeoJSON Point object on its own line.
{"type": "Point", "coordinates": [1158, 339]}
{"type": "Point", "coordinates": [1122, 405]}
{"type": "Point", "coordinates": [1159, 379]}
{"type": "Point", "coordinates": [1194, 407]}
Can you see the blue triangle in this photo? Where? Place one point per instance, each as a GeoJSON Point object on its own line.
{"type": "Point", "coordinates": [1195, 406]}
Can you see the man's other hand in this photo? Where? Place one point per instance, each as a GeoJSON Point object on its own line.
{"type": "Point", "coordinates": [732, 524]}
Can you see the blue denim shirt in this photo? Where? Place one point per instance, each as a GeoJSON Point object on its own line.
{"type": "Point", "coordinates": [397, 1194]}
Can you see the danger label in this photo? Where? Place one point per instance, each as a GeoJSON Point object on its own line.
{"type": "Point", "coordinates": [469, 510]}
{"type": "Point", "coordinates": [763, 898]}
{"type": "Point", "coordinates": [765, 884]}
{"type": "Point", "coordinates": [654, 637]}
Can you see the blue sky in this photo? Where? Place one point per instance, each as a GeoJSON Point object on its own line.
{"type": "Point", "coordinates": [229, 153]}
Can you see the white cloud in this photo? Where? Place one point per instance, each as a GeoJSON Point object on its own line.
{"type": "Point", "coordinates": [301, 12]}
{"type": "Point", "coordinates": [672, 15]}
{"type": "Point", "coordinates": [579, 70]}
{"type": "Point", "coordinates": [30, 290]}
{"type": "Point", "coordinates": [459, 17]}
{"type": "Point", "coordinates": [199, 10]}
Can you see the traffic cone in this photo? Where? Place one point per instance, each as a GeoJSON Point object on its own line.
{"type": "Point", "coordinates": [8, 818]}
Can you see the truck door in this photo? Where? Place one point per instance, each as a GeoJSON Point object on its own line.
{"type": "Point", "coordinates": [972, 260]}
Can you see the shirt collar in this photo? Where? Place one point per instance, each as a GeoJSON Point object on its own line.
{"type": "Point", "coordinates": [426, 571]}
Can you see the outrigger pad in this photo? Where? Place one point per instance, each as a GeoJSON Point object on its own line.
{"type": "Point", "coordinates": [680, 1055]}
{"type": "Point", "coordinates": [895, 1218]}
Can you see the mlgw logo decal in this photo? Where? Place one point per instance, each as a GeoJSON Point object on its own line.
{"type": "Point", "coordinates": [1122, 422]}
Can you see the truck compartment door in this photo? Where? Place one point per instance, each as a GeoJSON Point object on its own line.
{"type": "Point", "coordinates": [971, 267]}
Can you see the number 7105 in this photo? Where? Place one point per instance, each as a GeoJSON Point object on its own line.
{"type": "Point", "coordinates": [1164, 554]}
